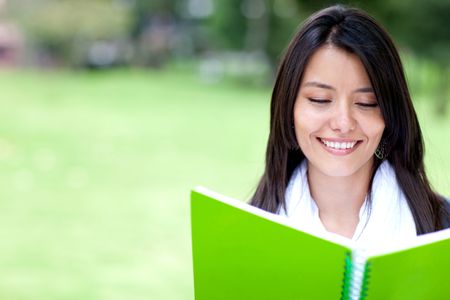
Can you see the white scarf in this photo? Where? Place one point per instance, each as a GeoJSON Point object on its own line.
{"type": "Point", "coordinates": [389, 220]}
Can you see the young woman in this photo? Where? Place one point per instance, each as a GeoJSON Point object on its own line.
{"type": "Point", "coordinates": [345, 149]}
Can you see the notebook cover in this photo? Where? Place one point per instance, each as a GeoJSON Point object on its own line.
{"type": "Point", "coordinates": [239, 255]}
{"type": "Point", "coordinates": [419, 273]}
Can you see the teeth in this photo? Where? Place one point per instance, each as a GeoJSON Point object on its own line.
{"type": "Point", "coordinates": [337, 145]}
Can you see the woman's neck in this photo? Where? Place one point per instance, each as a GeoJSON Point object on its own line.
{"type": "Point", "coordinates": [339, 199]}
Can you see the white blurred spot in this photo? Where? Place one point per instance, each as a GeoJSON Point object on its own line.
{"type": "Point", "coordinates": [211, 70]}
{"type": "Point", "coordinates": [251, 64]}
{"type": "Point", "coordinates": [103, 53]}
{"type": "Point", "coordinates": [200, 8]}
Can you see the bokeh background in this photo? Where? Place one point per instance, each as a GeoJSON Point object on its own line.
{"type": "Point", "coordinates": [112, 110]}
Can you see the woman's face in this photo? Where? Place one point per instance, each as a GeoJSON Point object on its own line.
{"type": "Point", "coordinates": [338, 123]}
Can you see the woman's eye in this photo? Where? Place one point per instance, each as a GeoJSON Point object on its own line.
{"type": "Point", "coordinates": [320, 101]}
{"type": "Point", "coordinates": [368, 105]}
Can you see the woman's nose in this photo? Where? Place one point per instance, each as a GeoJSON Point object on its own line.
{"type": "Point", "coordinates": [342, 120]}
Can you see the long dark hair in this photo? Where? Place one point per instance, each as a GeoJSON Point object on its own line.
{"type": "Point", "coordinates": [354, 31]}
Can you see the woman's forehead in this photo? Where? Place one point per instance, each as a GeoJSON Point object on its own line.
{"type": "Point", "coordinates": [332, 68]}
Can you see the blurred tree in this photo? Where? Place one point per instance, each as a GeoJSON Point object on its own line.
{"type": "Point", "coordinates": [227, 25]}
{"type": "Point", "coordinates": [66, 29]}
{"type": "Point", "coordinates": [265, 25]}
{"type": "Point", "coordinates": [424, 28]}
{"type": "Point", "coordinates": [164, 29]}
{"type": "Point", "coordinates": [152, 29]}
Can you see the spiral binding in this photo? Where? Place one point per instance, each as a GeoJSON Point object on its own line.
{"type": "Point", "coordinates": [346, 285]}
{"type": "Point", "coordinates": [358, 272]}
{"type": "Point", "coordinates": [356, 276]}
{"type": "Point", "coordinates": [365, 284]}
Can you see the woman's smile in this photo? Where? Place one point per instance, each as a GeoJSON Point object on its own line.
{"type": "Point", "coordinates": [339, 146]}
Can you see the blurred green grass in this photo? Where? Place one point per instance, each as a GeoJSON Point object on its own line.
{"type": "Point", "coordinates": [96, 170]}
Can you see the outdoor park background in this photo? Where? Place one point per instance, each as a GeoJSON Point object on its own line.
{"type": "Point", "coordinates": [112, 110]}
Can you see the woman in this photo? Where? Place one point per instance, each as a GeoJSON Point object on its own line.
{"type": "Point", "coordinates": [345, 150]}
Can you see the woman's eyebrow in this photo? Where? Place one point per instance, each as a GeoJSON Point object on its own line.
{"type": "Point", "coordinates": [319, 85]}
{"type": "Point", "coordinates": [367, 89]}
{"type": "Point", "coordinates": [364, 90]}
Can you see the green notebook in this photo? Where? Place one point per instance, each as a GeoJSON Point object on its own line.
{"type": "Point", "coordinates": [243, 253]}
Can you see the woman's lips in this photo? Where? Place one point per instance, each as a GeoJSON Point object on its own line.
{"type": "Point", "coordinates": [339, 146]}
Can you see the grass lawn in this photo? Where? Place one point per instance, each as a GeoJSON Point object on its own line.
{"type": "Point", "coordinates": [96, 169]}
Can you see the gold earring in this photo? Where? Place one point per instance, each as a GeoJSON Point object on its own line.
{"type": "Point", "coordinates": [380, 152]}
